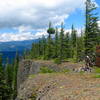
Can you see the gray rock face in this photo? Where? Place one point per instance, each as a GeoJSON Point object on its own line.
{"type": "Point", "coordinates": [28, 67]}
{"type": "Point", "coordinates": [27, 83]}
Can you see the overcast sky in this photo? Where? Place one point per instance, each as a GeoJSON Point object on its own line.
{"type": "Point", "coordinates": [28, 19]}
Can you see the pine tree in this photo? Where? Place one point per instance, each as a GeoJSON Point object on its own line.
{"type": "Point", "coordinates": [91, 28]}
{"type": "Point", "coordinates": [56, 52]}
{"type": "Point", "coordinates": [9, 74]}
{"type": "Point", "coordinates": [9, 77]}
{"type": "Point", "coordinates": [1, 79]}
{"type": "Point", "coordinates": [43, 48]}
{"type": "Point", "coordinates": [33, 51]}
{"type": "Point", "coordinates": [67, 46]}
{"type": "Point", "coordinates": [80, 47]}
{"type": "Point", "coordinates": [61, 43]}
{"type": "Point", "coordinates": [16, 63]}
{"type": "Point", "coordinates": [50, 44]}
{"type": "Point", "coordinates": [73, 41]}
{"type": "Point", "coordinates": [4, 89]}
{"type": "Point", "coordinates": [39, 47]}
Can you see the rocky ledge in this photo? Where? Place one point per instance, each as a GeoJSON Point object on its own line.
{"type": "Point", "coordinates": [61, 84]}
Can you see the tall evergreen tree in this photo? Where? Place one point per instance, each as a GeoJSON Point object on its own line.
{"type": "Point", "coordinates": [9, 74]}
{"type": "Point", "coordinates": [50, 31]}
{"type": "Point", "coordinates": [67, 46]}
{"type": "Point", "coordinates": [56, 52]}
{"type": "Point", "coordinates": [16, 63]}
{"type": "Point", "coordinates": [61, 42]}
{"type": "Point", "coordinates": [44, 44]}
{"type": "Point", "coordinates": [33, 51]}
{"type": "Point", "coordinates": [80, 47]}
{"type": "Point", "coordinates": [91, 28]}
{"type": "Point", "coordinates": [39, 47]}
{"type": "Point", "coordinates": [73, 41]}
{"type": "Point", "coordinates": [4, 89]}
{"type": "Point", "coordinates": [9, 77]}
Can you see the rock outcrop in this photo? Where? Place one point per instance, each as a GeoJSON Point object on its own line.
{"type": "Point", "coordinates": [28, 67]}
{"type": "Point", "coordinates": [33, 85]}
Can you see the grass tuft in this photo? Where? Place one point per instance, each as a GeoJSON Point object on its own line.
{"type": "Point", "coordinates": [97, 70]}
{"type": "Point", "coordinates": [57, 61]}
{"type": "Point", "coordinates": [65, 70]}
{"type": "Point", "coordinates": [45, 69]}
{"type": "Point", "coordinates": [97, 76]}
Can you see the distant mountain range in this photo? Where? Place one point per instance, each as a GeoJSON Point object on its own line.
{"type": "Point", "coordinates": [16, 45]}
{"type": "Point", "coordinates": [9, 56]}
{"type": "Point", "coordinates": [8, 49]}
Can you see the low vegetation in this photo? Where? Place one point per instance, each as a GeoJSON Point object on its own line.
{"type": "Point", "coordinates": [45, 69]}
{"type": "Point", "coordinates": [57, 61]}
{"type": "Point", "coordinates": [97, 76]}
{"type": "Point", "coordinates": [97, 70]}
{"type": "Point", "coordinates": [65, 71]}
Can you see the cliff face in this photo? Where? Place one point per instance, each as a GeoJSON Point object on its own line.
{"type": "Point", "coordinates": [29, 67]}
{"type": "Point", "coordinates": [26, 67]}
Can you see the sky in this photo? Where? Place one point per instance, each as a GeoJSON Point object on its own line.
{"type": "Point", "coordinates": [28, 19]}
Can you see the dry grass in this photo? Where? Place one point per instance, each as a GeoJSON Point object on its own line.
{"type": "Point", "coordinates": [60, 86]}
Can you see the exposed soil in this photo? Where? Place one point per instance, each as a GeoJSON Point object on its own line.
{"type": "Point", "coordinates": [60, 86]}
{"type": "Point", "coordinates": [27, 67]}
{"type": "Point", "coordinates": [57, 85]}
{"type": "Point", "coordinates": [69, 65]}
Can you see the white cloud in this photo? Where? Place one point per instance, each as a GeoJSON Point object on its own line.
{"type": "Point", "coordinates": [99, 23]}
{"type": "Point", "coordinates": [35, 13]}
{"type": "Point", "coordinates": [7, 37]}
{"type": "Point", "coordinates": [21, 36]}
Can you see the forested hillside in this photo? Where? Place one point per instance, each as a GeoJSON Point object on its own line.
{"type": "Point", "coordinates": [61, 45]}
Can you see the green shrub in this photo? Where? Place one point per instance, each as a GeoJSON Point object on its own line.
{"type": "Point", "coordinates": [97, 70]}
{"type": "Point", "coordinates": [97, 76]}
{"type": "Point", "coordinates": [32, 76]}
{"type": "Point", "coordinates": [57, 61]}
{"type": "Point", "coordinates": [71, 60]}
{"type": "Point", "coordinates": [81, 72]}
{"type": "Point", "coordinates": [65, 70]}
{"type": "Point", "coordinates": [46, 70]}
